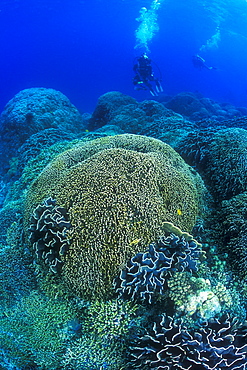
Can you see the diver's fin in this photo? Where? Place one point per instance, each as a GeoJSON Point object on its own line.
{"type": "Point", "coordinates": [159, 88]}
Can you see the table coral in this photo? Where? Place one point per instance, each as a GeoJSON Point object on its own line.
{"type": "Point", "coordinates": [118, 191]}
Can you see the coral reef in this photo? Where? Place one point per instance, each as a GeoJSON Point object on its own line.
{"type": "Point", "coordinates": [148, 118]}
{"type": "Point", "coordinates": [118, 191]}
{"type": "Point", "coordinates": [95, 270]}
{"type": "Point", "coordinates": [49, 225]}
{"type": "Point", "coordinates": [228, 162]}
{"type": "Point", "coordinates": [146, 274]}
{"type": "Point", "coordinates": [107, 106]}
{"type": "Point", "coordinates": [33, 334]}
{"type": "Point", "coordinates": [170, 119]}
{"type": "Point", "coordinates": [105, 331]}
{"type": "Point", "coordinates": [16, 274]}
{"type": "Point", "coordinates": [215, 344]}
{"type": "Point", "coordinates": [31, 111]}
{"type": "Point", "coordinates": [195, 107]}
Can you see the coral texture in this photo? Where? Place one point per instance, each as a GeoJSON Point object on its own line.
{"type": "Point", "coordinates": [195, 148]}
{"type": "Point", "coordinates": [33, 333]}
{"type": "Point", "coordinates": [227, 163]}
{"type": "Point", "coordinates": [107, 106]}
{"type": "Point", "coordinates": [220, 156]}
{"type": "Point", "coordinates": [146, 273]}
{"type": "Point", "coordinates": [216, 344]}
{"type": "Point", "coordinates": [118, 192]}
{"type": "Point", "coordinates": [33, 110]}
{"type": "Point", "coordinates": [40, 141]}
{"type": "Point", "coordinates": [104, 340]}
{"type": "Point", "coordinates": [16, 275]}
{"type": "Point", "coordinates": [233, 231]}
{"type": "Point", "coordinates": [49, 225]}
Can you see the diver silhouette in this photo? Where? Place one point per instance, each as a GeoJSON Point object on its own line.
{"type": "Point", "coordinates": [200, 63]}
{"type": "Point", "coordinates": [144, 77]}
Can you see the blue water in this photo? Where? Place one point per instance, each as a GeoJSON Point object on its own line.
{"type": "Point", "coordinates": [86, 48]}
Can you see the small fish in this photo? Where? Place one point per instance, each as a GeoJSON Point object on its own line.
{"type": "Point", "coordinates": [179, 211]}
{"type": "Point", "coordinates": [135, 241]}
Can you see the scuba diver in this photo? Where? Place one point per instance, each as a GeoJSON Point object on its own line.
{"type": "Point", "coordinates": [144, 76]}
{"type": "Point", "coordinates": [200, 63]}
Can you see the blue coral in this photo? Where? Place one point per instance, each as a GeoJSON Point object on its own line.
{"type": "Point", "coordinates": [29, 112]}
{"type": "Point", "coordinates": [48, 228]}
{"type": "Point", "coordinates": [216, 344]}
{"type": "Point", "coordinates": [146, 274]}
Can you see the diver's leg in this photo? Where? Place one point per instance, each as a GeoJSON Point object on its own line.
{"type": "Point", "coordinates": [159, 88]}
{"type": "Point", "coordinates": [151, 90]}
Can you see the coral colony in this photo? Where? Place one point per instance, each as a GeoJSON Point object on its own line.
{"type": "Point", "coordinates": [98, 268]}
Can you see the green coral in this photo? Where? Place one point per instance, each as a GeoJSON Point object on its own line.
{"type": "Point", "coordinates": [109, 320]}
{"type": "Point", "coordinates": [33, 332]}
{"type": "Point", "coordinates": [11, 212]}
{"type": "Point", "coordinates": [16, 275]}
{"type": "Point", "coordinates": [181, 285]}
{"type": "Point", "coordinates": [192, 294]}
{"type": "Point", "coordinates": [118, 192]}
{"type": "Point", "coordinates": [105, 331]}
{"type": "Point", "coordinates": [89, 354]}
{"type": "Point", "coordinates": [34, 167]}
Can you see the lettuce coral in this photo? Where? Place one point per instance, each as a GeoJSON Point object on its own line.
{"type": "Point", "coordinates": [215, 344]}
{"type": "Point", "coordinates": [48, 233]}
{"type": "Point", "coordinates": [146, 274]}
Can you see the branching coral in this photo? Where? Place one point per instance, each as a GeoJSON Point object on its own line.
{"type": "Point", "coordinates": [104, 338]}
{"type": "Point", "coordinates": [33, 335]}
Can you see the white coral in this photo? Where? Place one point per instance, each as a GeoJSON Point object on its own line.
{"type": "Point", "coordinates": [206, 303]}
